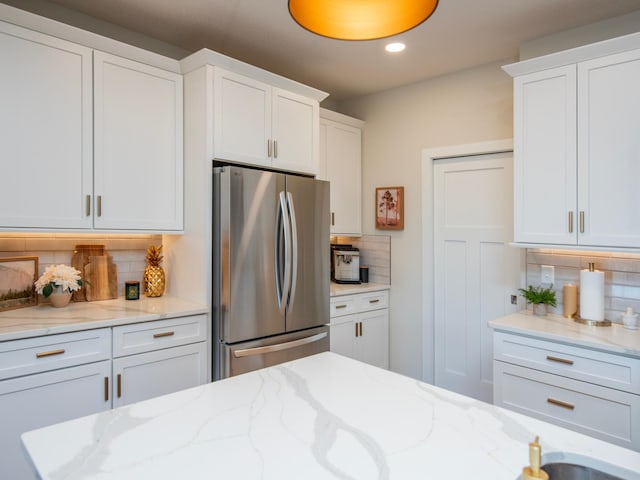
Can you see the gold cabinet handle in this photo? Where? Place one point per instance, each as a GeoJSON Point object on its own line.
{"type": "Point", "coordinates": [275, 149]}
{"type": "Point", "coordinates": [582, 222]}
{"type": "Point", "coordinates": [560, 403]}
{"type": "Point", "coordinates": [356, 324]}
{"type": "Point", "coordinates": [163, 334]}
{"type": "Point", "coordinates": [119, 385]}
{"type": "Point", "coordinates": [106, 389]}
{"type": "Point", "coordinates": [340, 306]}
{"type": "Point", "coordinates": [375, 300]}
{"type": "Point", "coordinates": [99, 207]}
{"type": "Point", "coordinates": [559, 360]}
{"type": "Point", "coordinates": [49, 353]}
{"type": "Point", "coordinates": [87, 205]}
{"type": "Point", "coordinates": [333, 219]}
{"type": "Point", "coordinates": [269, 148]}
{"type": "Point", "coordinates": [360, 328]}
{"type": "Point", "coordinates": [571, 221]}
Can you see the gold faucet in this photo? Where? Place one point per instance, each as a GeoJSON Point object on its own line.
{"type": "Point", "coordinates": [533, 471]}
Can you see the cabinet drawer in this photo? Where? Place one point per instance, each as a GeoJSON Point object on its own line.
{"type": "Point", "coordinates": [343, 305]}
{"type": "Point", "coordinates": [606, 369]}
{"type": "Point", "coordinates": [373, 301]}
{"type": "Point", "coordinates": [40, 354]}
{"type": "Point", "coordinates": [145, 337]}
{"type": "Point", "coordinates": [601, 412]}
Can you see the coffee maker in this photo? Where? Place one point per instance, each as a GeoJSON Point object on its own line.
{"type": "Point", "coordinates": [345, 264]}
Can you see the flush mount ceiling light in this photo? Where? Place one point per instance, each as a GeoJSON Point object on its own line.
{"type": "Point", "coordinates": [360, 19]}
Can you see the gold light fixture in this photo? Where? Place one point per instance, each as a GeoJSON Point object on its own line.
{"type": "Point", "coordinates": [360, 19]}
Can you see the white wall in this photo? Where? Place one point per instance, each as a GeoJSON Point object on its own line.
{"type": "Point", "coordinates": [470, 106]}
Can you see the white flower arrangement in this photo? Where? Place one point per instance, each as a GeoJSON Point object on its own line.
{"type": "Point", "coordinates": [64, 276]}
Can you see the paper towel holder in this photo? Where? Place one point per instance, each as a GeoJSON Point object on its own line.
{"type": "Point", "coordinates": [592, 323]}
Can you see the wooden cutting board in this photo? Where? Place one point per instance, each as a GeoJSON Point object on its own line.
{"type": "Point", "coordinates": [102, 278]}
{"type": "Point", "coordinates": [79, 260]}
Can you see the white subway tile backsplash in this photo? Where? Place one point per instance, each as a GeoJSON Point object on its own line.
{"type": "Point", "coordinates": [622, 275]}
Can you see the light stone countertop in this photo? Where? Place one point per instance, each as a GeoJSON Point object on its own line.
{"type": "Point", "coordinates": [338, 289]}
{"type": "Point", "coordinates": [47, 320]}
{"type": "Point", "coordinates": [613, 339]}
{"type": "Point", "coordinates": [320, 417]}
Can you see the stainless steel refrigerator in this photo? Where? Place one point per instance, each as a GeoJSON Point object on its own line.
{"type": "Point", "coordinates": [271, 270]}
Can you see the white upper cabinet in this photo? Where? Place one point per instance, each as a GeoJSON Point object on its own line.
{"type": "Point", "coordinates": [609, 150]}
{"type": "Point", "coordinates": [46, 141]}
{"type": "Point", "coordinates": [545, 156]}
{"type": "Point", "coordinates": [257, 124]}
{"type": "Point", "coordinates": [577, 148]}
{"type": "Point", "coordinates": [90, 141]}
{"type": "Point", "coordinates": [341, 165]}
{"type": "Point", "coordinates": [138, 146]}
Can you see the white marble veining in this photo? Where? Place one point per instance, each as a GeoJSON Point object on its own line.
{"type": "Point", "coordinates": [320, 417]}
{"type": "Point", "coordinates": [614, 339]}
{"type": "Point", "coordinates": [46, 320]}
{"type": "Point", "coordinates": [338, 289]}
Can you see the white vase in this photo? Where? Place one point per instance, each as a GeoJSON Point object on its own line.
{"type": "Point", "coordinates": [59, 298]}
{"type": "Point", "coordinates": [540, 309]}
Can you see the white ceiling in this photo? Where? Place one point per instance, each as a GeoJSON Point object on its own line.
{"type": "Point", "coordinates": [460, 34]}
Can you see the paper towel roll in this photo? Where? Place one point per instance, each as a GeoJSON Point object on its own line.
{"type": "Point", "coordinates": [592, 295]}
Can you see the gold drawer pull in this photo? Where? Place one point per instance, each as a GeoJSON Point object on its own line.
{"type": "Point", "coordinates": [560, 403]}
{"type": "Point", "coordinates": [340, 306]}
{"type": "Point", "coordinates": [356, 329]}
{"type": "Point", "coordinates": [50, 352]}
{"type": "Point", "coordinates": [163, 334]}
{"type": "Point", "coordinates": [106, 389]}
{"type": "Point", "coordinates": [119, 385]}
{"type": "Point", "coordinates": [374, 301]}
{"type": "Point", "coordinates": [559, 360]}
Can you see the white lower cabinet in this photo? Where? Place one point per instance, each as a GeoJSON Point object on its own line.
{"type": "Point", "coordinates": [591, 392]}
{"type": "Point", "coordinates": [55, 378]}
{"type": "Point", "coordinates": [359, 327]}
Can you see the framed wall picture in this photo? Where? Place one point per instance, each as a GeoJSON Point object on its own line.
{"type": "Point", "coordinates": [17, 276]}
{"type": "Point", "coordinates": [390, 208]}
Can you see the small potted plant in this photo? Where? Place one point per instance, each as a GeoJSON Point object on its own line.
{"type": "Point", "coordinates": [57, 283]}
{"type": "Point", "coordinates": [540, 297]}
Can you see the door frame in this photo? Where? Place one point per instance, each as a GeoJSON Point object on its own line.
{"type": "Point", "coordinates": [429, 157]}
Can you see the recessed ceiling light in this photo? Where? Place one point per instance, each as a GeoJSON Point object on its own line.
{"type": "Point", "coordinates": [395, 47]}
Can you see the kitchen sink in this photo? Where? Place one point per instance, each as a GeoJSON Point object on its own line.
{"type": "Point", "coordinates": [570, 471]}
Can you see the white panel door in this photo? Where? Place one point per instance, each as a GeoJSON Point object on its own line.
{"type": "Point", "coordinates": [138, 146]}
{"type": "Point", "coordinates": [544, 108]}
{"type": "Point", "coordinates": [609, 150]}
{"type": "Point", "coordinates": [475, 271]}
{"type": "Point", "coordinates": [372, 343]}
{"type": "Point", "coordinates": [294, 132]}
{"type": "Point", "coordinates": [46, 131]}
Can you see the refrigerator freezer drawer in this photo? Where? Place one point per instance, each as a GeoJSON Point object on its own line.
{"type": "Point", "coordinates": [248, 356]}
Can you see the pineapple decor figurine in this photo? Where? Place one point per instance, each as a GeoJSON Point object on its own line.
{"type": "Point", "coordinates": [153, 280]}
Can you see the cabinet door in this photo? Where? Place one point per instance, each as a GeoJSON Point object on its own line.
{"type": "Point", "coordinates": [138, 146]}
{"type": "Point", "coordinates": [372, 343]}
{"type": "Point", "coordinates": [294, 132]}
{"type": "Point", "coordinates": [147, 375]}
{"type": "Point", "coordinates": [342, 337]}
{"type": "Point", "coordinates": [545, 157]}
{"type": "Point", "coordinates": [609, 150]}
{"type": "Point", "coordinates": [242, 119]}
{"type": "Point", "coordinates": [45, 131]}
{"type": "Point", "coordinates": [35, 401]}
{"type": "Point", "coordinates": [342, 152]}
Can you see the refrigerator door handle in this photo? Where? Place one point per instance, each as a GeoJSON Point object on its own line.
{"type": "Point", "coordinates": [247, 352]}
{"type": "Point", "coordinates": [283, 290]}
{"type": "Point", "coordinates": [294, 251]}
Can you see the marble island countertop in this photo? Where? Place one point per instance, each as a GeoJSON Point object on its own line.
{"type": "Point", "coordinates": [46, 320]}
{"type": "Point", "coordinates": [613, 339]}
{"type": "Point", "coordinates": [319, 417]}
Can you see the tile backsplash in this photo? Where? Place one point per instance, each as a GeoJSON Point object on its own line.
{"type": "Point", "coordinates": [375, 252]}
{"type": "Point", "coordinates": [128, 251]}
{"type": "Point", "coordinates": [621, 276]}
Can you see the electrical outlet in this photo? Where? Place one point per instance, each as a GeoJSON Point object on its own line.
{"type": "Point", "coordinates": [547, 274]}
